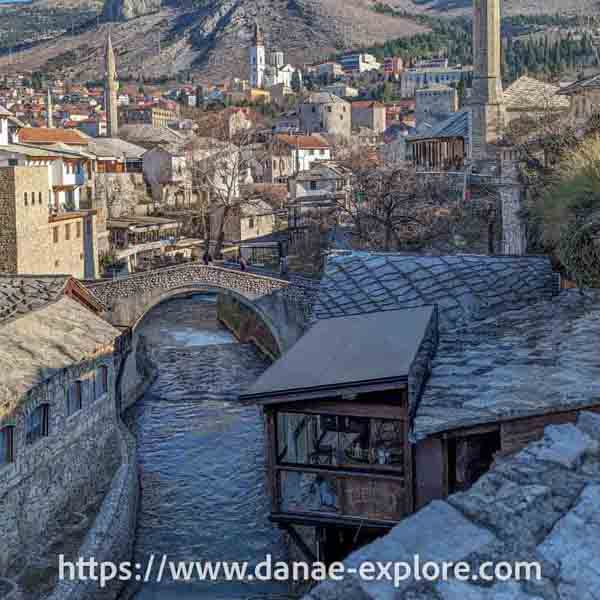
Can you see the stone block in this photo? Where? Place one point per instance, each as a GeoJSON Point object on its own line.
{"type": "Point", "coordinates": [573, 546]}
{"type": "Point", "coordinates": [589, 423]}
{"type": "Point", "coordinates": [459, 590]}
{"type": "Point", "coordinates": [437, 533]}
{"type": "Point", "coordinates": [565, 445]}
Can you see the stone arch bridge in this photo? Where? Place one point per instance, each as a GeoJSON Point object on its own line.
{"type": "Point", "coordinates": [248, 302]}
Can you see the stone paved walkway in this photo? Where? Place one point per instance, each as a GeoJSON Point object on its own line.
{"type": "Point", "coordinates": [542, 504]}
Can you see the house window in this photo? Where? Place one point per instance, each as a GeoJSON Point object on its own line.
{"type": "Point", "coordinates": [78, 225]}
{"type": "Point", "coordinates": [74, 398]}
{"type": "Point", "coordinates": [68, 231]}
{"type": "Point", "coordinates": [7, 445]}
{"type": "Point", "coordinates": [55, 234]}
{"type": "Point", "coordinates": [38, 424]}
{"type": "Point", "coordinates": [313, 185]}
{"type": "Point", "coordinates": [25, 198]}
{"type": "Point", "coordinates": [101, 381]}
{"type": "Point", "coordinates": [251, 223]}
{"type": "Point", "coordinates": [40, 198]}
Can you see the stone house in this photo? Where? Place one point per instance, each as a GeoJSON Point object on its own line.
{"type": "Point", "coordinates": [325, 113]}
{"type": "Point", "coordinates": [59, 435]}
{"type": "Point", "coordinates": [435, 103]}
{"type": "Point", "coordinates": [290, 154]}
{"type": "Point", "coordinates": [584, 97]}
{"type": "Point", "coordinates": [323, 188]}
{"type": "Point", "coordinates": [167, 171]}
{"type": "Point", "coordinates": [34, 239]}
{"type": "Point", "coordinates": [70, 171]}
{"type": "Point", "coordinates": [368, 114]}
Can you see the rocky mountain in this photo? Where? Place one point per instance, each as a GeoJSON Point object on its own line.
{"type": "Point", "coordinates": [210, 37]}
{"type": "Point", "coordinates": [160, 38]}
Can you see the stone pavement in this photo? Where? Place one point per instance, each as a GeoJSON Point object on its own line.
{"type": "Point", "coordinates": [542, 504]}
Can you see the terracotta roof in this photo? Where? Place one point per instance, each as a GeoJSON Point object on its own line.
{"type": "Point", "coordinates": [43, 135]}
{"type": "Point", "coordinates": [367, 104]}
{"type": "Point", "coordinates": [303, 141]}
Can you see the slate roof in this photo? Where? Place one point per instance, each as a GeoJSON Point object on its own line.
{"type": "Point", "coordinates": [527, 93]}
{"type": "Point", "coordinates": [115, 147]}
{"type": "Point", "coordinates": [324, 98]}
{"type": "Point", "coordinates": [42, 342]}
{"type": "Point", "coordinates": [592, 82]}
{"type": "Point", "coordinates": [22, 294]}
{"type": "Point", "coordinates": [465, 287]}
{"type": "Point", "coordinates": [456, 125]}
{"type": "Point", "coordinates": [538, 359]}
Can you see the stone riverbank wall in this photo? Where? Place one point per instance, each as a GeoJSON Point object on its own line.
{"type": "Point", "coordinates": [541, 505]}
{"type": "Point", "coordinates": [112, 535]}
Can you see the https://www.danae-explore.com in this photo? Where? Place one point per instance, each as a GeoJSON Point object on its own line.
{"type": "Point", "coordinates": [159, 568]}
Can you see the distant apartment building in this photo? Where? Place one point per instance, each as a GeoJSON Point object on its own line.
{"type": "Point", "coordinates": [369, 114]}
{"type": "Point", "coordinates": [432, 63]}
{"type": "Point", "coordinates": [325, 113]}
{"type": "Point", "coordinates": [329, 70]}
{"type": "Point", "coordinates": [340, 89]}
{"type": "Point", "coordinates": [35, 241]}
{"type": "Point", "coordinates": [154, 115]}
{"type": "Point", "coordinates": [359, 63]}
{"type": "Point", "coordinates": [417, 78]}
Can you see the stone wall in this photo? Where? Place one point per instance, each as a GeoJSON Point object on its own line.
{"type": "Point", "coordinates": [246, 325]}
{"type": "Point", "coordinates": [49, 495]}
{"type": "Point", "coordinates": [123, 194]}
{"type": "Point", "coordinates": [540, 505]}
{"type": "Point", "coordinates": [128, 299]}
{"type": "Point", "coordinates": [8, 230]}
{"type": "Point", "coordinates": [112, 536]}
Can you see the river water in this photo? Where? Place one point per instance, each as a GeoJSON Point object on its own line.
{"type": "Point", "coordinates": [201, 454]}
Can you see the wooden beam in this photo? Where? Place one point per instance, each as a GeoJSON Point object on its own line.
{"type": "Point", "coordinates": [304, 548]}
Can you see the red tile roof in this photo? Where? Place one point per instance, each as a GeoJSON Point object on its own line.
{"type": "Point", "coordinates": [303, 141]}
{"type": "Point", "coordinates": [43, 135]}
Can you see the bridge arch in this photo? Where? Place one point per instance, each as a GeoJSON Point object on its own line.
{"type": "Point", "coordinates": [249, 305]}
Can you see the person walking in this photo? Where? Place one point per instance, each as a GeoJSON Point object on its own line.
{"type": "Point", "coordinates": [206, 258]}
{"type": "Point", "coordinates": [242, 263]}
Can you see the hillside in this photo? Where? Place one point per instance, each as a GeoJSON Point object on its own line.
{"type": "Point", "coordinates": [210, 37]}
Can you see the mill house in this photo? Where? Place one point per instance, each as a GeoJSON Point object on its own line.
{"type": "Point", "coordinates": [417, 374]}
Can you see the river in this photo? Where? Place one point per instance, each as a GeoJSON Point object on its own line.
{"type": "Point", "coordinates": [201, 454]}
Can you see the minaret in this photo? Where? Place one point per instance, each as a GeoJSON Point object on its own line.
{"type": "Point", "coordinates": [111, 86]}
{"type": "Point", "coordinates": [487, 100]}
{"type": "Point", "coordinates": [257, 59]}
{"type": "Point", "coordinates": [49, 110]}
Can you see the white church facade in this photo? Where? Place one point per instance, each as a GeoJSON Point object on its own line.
{"type": "Point", "coordinates": [266, 73]}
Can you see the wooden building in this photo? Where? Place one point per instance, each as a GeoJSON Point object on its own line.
{"type": "Point", "coordinates": [418, 373]}
{"type": "Point", "coordinates": [337, 409]}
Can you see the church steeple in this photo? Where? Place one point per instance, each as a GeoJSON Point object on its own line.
{"type": "Point", "coordinates": [259, 40]}
{"type": "Point", "coordinates": [111, 86]}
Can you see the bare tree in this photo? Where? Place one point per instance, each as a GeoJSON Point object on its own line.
{"type": "Point", "coordinates": [395, 206]}
{"type": "Point", "coordinates": [221, 168]}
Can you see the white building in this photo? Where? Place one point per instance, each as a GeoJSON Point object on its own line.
{"type": "Point", "coordinates": [4, 114]}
